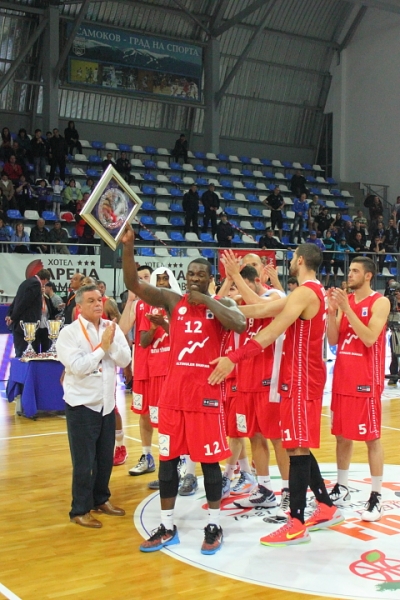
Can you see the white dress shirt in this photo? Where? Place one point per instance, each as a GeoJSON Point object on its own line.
{"type": "Point", "coordinates": [90, 375]}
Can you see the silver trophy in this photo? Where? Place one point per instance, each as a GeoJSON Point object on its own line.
{"type": "Point", "coordinates": [29, 330]}
{"type": "Point", "coordinates": [54, 331]}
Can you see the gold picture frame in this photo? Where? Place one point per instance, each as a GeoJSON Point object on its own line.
{"type": "Point", "coordinates": [111, 205]}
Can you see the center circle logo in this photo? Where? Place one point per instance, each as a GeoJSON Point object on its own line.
{"type": "Point", "coordinates": [356, 559]}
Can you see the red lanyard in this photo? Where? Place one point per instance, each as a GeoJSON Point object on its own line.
{"type": "Point", "coordinates": [85, 333]}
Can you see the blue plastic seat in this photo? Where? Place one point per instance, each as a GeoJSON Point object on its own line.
{"type": "Point", "coordinates": [48, 215]}
{"type": "Point", "coordinates": [176, 166]}
{"type": "Point", "coordinates": [93, 158]}
{"type": "Point", "coordinates": [237, 239]}
{"type": "Point", "coordinates": [234, 223]}
{"type": "Point", "coordinates": [200, 155]}
{"type": "Point", "coordinates": [177, 222]}
{"type": "Point", "coordinates": [245, 160]}
{"type": "Point", "coordinates": [97, 145]}
{"type": "Point", "coordinates": [252, 198]}
{"type": "Point", "coordinates": [346, 218]}
{"type": "Point", "coordinates": [147, 220]}
{"type": "Point", "coordinates": [148, 190]}
{"type": "Point", "coordinates": [208, 253]}
{"type": "Point", "coordinates": [228, 196]}
{"type": "Point", "coordinates": [287, 164]}
{"type": "Point", "coordinates": [269, 175]}
{"type": "Point", "coordinates": [150, 150]}
{"type": "Point", "coordinates": [150, 164]}
{"type": "Point", "coordinates": [201, 181]}
{"type": "Point", "coordinates": [176, 180]}
{"type": "Point", "coordinates": [247, 173]}
{"type": "Point", "coordinates": [255, 212]}
{"type": "Point", "coordinates": [311, 179]}
{"type": "Point", "coordinates": [148, 206]}
{"type": "Point", "coordinates": [393, 271]}
{"type": "Point", "coordinates": [224, 171]}
{"type": "Point", "coordinates": [231, 211]}
{"type": "Point", "coordinates": [176, 192]}
{"type": "Point", "coordinates": [226, 183]}
{"type": "Point", "coordinates": [341, 204]}
{"type": "Point", "coordinates": [335, 192]}
{"type": "Point", "coordinates": [124, 147]}
{"type": "Point", "coordinates": [249, 185]}
{"type": "Point", "coordinates": [331, 181]}
{"type": "Point", "coordinates": [308, 166]}
{"type": "Point", "coordinates": [201, 209]}
{"type": "Point", "coordinates": [207, 238]}
{"type": "Point", "coordinates": [315, 190]}
{"type": "Point", "coordinates": [92, 173]}
{"type": "Point", "coordinates": [174, 251]}
{"type": "Point", "coordinates": [146, 235]}
{"type": "Point", "coordinates": [258, 225]}
{"type": "Point", "coordinates": [146, 251]}
{"type": "Point", "coordinates": [175, 207]}
{"type": "Point", "coordinates": [176, 236]}
{"type": "Point", "coordinates": [223, 157]}
{"type": "Point", "coordinates": [13, 213]}
{"type": "Point", "coordinates": [149, 177]}
{"type": "Point", "coordinates": [200, 169]}
{"type": "Point", "coordinates": [271, 187]}
{"type": "Point", "coordinates": [266, 162]}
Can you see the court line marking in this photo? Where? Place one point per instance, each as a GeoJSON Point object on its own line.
{"type": "Point", "coordinates": [8, 593]}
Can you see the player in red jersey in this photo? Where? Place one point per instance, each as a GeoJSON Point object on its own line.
{"type": "Point", "coordinates": [134, 313]}
{"type": "Point", "coordinates": [302, 380]}
{"type": "Point", "coordinates": [190, 415]}
{"type": "Point", "coordinates": [357, 324]}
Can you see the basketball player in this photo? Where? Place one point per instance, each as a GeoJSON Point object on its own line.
{"type": "Point", "coordinates": [190, 416]}
{"type": "Point", "coordinates": [357, 324]}
{"type": "Point", "coordinates": [302, 381]}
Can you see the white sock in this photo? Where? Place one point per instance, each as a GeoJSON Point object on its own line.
{"type": "Point", "coordinates": [343, 477]}
{"type": "Point", "coordinates": [119, 437]}
{"type": "Point", "coordinates": [167, 518]}
{"type": "Point", "coordinates": [146, 450]}
{"type": "Point", "coordinates": [285, 484]}
{"type": "Point", "coordinates": [229, 471]}
{"type": "Point", "coordinates": [213, 516]}
{"type": "Point", "coordinates": [190, 466]}
{"type": "Point", "coordinates": [376, 484]}
{"type": "Point", "coordinates": [264, 480]}
{"type": "Point", "coordinates": [244, 465]}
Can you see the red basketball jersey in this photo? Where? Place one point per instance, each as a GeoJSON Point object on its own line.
{"type": "Point", "coordinates": [159, 347]}
{"type": "Point", "coordinates": [140, 364]}
{"type": "Point", "coordinates": [196, 337]}
{"type": "Point", "coordinates": [359, 371]}
{"type": "Point", "coordinates": [302, 368]}
{"type": "Point", "coordinates": [254, 374]}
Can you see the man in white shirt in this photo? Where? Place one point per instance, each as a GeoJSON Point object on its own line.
{"type": "Point", "coordinates": [90, 349]}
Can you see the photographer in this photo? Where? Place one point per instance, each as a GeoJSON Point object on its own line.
{"type": "Point", "coordinates": [392, 291]}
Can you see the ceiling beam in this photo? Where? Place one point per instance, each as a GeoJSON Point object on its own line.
{"type": "Point", "coordinates": [391, 6]}
{"type": "Point", "coordinates": [68, 44]}
{"type": "Point", "coordinates": [238, 17]}
{"type": "Point", "coordinates": [21, 8]}
{"type": "Point", "coordinates": [192, 16]}
{"type": "Point", "coordinates": [286, 67]}
{"type": "Point", "coordinates": [353, 28]}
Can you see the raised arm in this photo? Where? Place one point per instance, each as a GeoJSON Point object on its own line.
{"type": "Point", "coordinates": [225, 310]}
{"type": "Point", "coordinates": [334, 319]}
{"type": "Point", "coordinates": [270, 307]}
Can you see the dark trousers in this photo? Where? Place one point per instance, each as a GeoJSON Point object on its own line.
{"type": "Point", "coordinates": [60, 162]}
{"type": "Point", "coordinates": [394, 364]}
{"type": "Point", "coordinates": [210, 215]}
{"type": "Point", "coordinates": [91, 441]}
{"type": "Point", "coordinates": [76, 145]}
{"type": "Point", "coordinates": [191, 218]}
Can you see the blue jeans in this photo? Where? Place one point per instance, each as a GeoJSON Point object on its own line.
{"type": "Point", "coordinates": [298, 222]}
{"type": "Point", "coordinates": [40, 167]}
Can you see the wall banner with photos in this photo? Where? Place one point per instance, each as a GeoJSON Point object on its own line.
{"type": "Point", "coordinates": [126, 61]}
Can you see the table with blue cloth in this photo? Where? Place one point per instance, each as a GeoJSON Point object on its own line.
{"type": "Point", "coordinates": [38, 383]}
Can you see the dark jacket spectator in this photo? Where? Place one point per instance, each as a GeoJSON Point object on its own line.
{"type": "Point", "coordinates": [58, 235]}
{"type": "Point", "coordinates": [123, 167]}
{"type": "Point", "coordinates": [323, 221]}
{"type": "Point", "coordinates": [72, 138]}
{"type": "Point", "coordinates": [6, 144]}
{"type": "Point", "coordinates": [298, 184]}
{"type": "Point", "coordinates": [41, 236]}
{"type": "Point", "coordinates": [210, 201]}
{"type": "Point", "coordinates": [24, 142]}
{"type": "Point", "coordinates": [181, 148]}
{"type": "Point", "coordinates": [7, 193]}
{"type": "Point", "coordinates": [38, 152]}
{"type": "Point", "coordinates": [391, 237]}
{"type": "Point", "coordinates": [225, 232]}
{"type": "Point", "coordinates": [268, 241]}
{"type": "Point", "coordinates": [59, 150]}
{"type": "Point", "coordinates": [107, 162]}
{"type": "Point", "coordinates": [190, 205]}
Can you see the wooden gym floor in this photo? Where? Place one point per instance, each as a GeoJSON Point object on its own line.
{"type": "Point", "coordinates": [43, 556]}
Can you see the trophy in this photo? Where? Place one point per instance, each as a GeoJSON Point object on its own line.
{"type": "Point", "coordinates": [54, 331]}
{"type": "Point", "coordinates": [29, 330]}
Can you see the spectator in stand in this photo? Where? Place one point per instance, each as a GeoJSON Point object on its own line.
{"type": "Point", "coordinates": [47, 140]}
{"type": "Point", "coordinates": [59, 151]}
{"type": "Point", "coordinates": [298, 184]}
{"type": "Point", "coordinates": [24, 195]}
{"type": "Point", "coordinates": [44, 193]}
{"type": "Point", "coordinates": [5, 235]}
{"type": "Point", "coordinates": [20, 158]}
{"type": "Point", "coordinates": [58, 188]}
{"type": "Point", "coordinates": [20, 239]}
{"type": "Point", "coordinates": [379, 231]}
{"type": "Point", "coordinates": [268, 242]}
{"type": "Point", "coordinates": [225, 232]}
{"type": "Point", "coordinates": [313, 239]}
{"type": "Point", "coordinates": [7, 192]}
{"type": "Point", "coordinates": [292, 284]}
{"type": "Point", "coordinates": [357, 228]}
{"type": "Point", "coordinates": [338, 221]}
{"type": "Point", "coordinates": [72, 195]}
{"type": "Point", "coordinates": [13, 170]}
{"type": "Point", "coordinates": [375, 211]}
{"type": "Point", "coordinates": [108, 161]}
{"type": "Point", "coordinates": [210, 201]}
{"type": "Point", "coordinates": [313, 212]}
{"type": "Point", "coordinates": [276, 203]}
{"type": "Point", "coordinates": [72, 138]}
{"type": "Point", "coordinates": [51, 292]}
{"type": "Point", "coordinates": [348, 230]}
{"type": "Point", "coordinates": [357, 243]}
{"type": "Point", "coordinates": [24, 144]}
{"type": "Point", "coordinates": [391, 237]}
{"type": "Point", "coordinates": [40, 235]}
{"type": "Point", "coordinates": [181, 149]}
{"type": "Point", "coordinates": [361, 219]}
{"type": "Point", "coordinates": [6, 144]}
{"type": "Point", "coordinates": [300, 208]}
{"type": "Point", "coordinates": [88, 187]}
{"type": "Point", "coordinates": [378, 246]}
{"type": "Point", "coordinates": [327, 256]}
{"type": "Point", "coordinates": [58, 235]}
{"type": "Point", "coordinates": [123, 167]}
{"type": "Point", "coordinates": [323, 221]}
{"type": "Point", "coordinates": [84, 232]}
{"type": "Point", "coordinates": [190, 205]}
{"type": "Point", "coordinates": [342, 250]}
{"type": "Point", "coordinates": [38, 152]}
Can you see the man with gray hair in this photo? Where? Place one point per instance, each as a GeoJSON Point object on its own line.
{"type": "Point", "coordinates": [90, 349]}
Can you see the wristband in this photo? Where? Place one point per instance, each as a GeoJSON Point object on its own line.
{"type": "Point", "coordinates": [249, 350]}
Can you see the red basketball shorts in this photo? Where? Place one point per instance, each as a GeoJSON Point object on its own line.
{"type": "Point", "coordinates": [355, 417]}
{"type": "Point", "coordinates": [140, 403]}
{"type": "Point", "coordinates": [300, 421]}
{"type": "Point", "coordinates": [256, 414]}
{"type": "Point", "coordinates": [153, 394]}
{"type": "Point", "coordinates": [202, 435]}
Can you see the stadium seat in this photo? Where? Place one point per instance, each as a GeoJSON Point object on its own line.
{"type": "Point", "coordinates": [212, 169]}
{"type": "Point", "coordinates": [245, 160]}
{"type": "Point", "coordinates": [137, 163]}
{"type": "Point", "coordinates": [33, 215]}
{"type": "Point", "coordinates": [138, 150]}
{"type": "Point", "coordinates": [249, 185]}
{"type": "Point", "coordinates": [231, 211]}
{"type": "Point", "coordinates": [83, 158]}
{"type": "Point", "coordinates": [176, 192]}
{"type": "Point", "coordinates": [13, 213]}
{"type": "Point", "coordinates": [258, 225]}
{"type": "Point", "coordinates": [188, 168]}
{"type": "Point", "coordinates": [150, 150]}
{"type": "Point", "coordinates": [148, 190]}
{"type": "Point", "coordinates": [147, 220]}
{"type": "Point", "coordinates": [161, 251]}
{"type": "Point", "coordinates": [92, 173]}
{"type": "Point", "coordinates": [206, 238]}
{"type": "Point", "coordinates": [146, 235]}
{"type": "Point", "coordinates": [163, 152]}
{"type": "Point", "coordinates": [200, 181]}
{"type": "Point", "coordinates": [162, 207]}
{"type": "Point", "coordinates": [277, 164]}
{"type": "Point", "coordinates": [147, 206]}
{"type": "Point", "coordinates": [66, 216]}
{"type": "Point", "coordinates": [162, 179]}
{"type": "Point", "coordinates": [269, 174]}
{"type": "Point", "coordinates": [228, 197]}
{"type": "Point", "coordinates": [176, 207]}
{"type": "Point", "coordinates": [124, 148]}
{"type": "Point", "coordinates": [176, 180]}
{"type": "Point", "coordinates": [248, 239]}
{"type": "Point", "coordinates": [247, 173]}
{"type": "Point", "coordinates": [200, 155]}
{"type": "Point", "coordinates": [208, 253]}
{"type": "Point", "coordinates": [255, 161]}
{"type": "Point", "coordinates": [176, 222]}
{"type": "Point", "coordinates": [211, 156]}
{"type": "Point", "coordinates": [149, 177]}
{"type": "Point", "coordinates": [224, 171]}
{"type": "Point", "coordinates": [243, 212]}
{"type": "Point", "coordinates": [193, 252]}
{"type": "Point", "coordinates": [255, 212]}
{"type": "Point", "coordinates": [162, 191]}
{"type": "Point", "coordinates": [150, 164]}
{"type": "Point", "coordinates": [223, 157]}
{"type": "Point", "coordinates": [176, 166]}
{"type": "Point", "coordinates": [237, 239]}
{"type": "Point", "coordinates": [252, 198]}
{"type": "Point", "coordinates": [238, 185]}
{"type": "Point", "coordinates": [298, 166]}
{"type": "Point", "coordinates": [146, 251]}
{"type": "Point", "coordinates": [97, 145]}
{"type": "Point", "coordinates": [226, 183]}
{"type": "Point", "coordinates": [234, 159]}
{"type": "Point", "coordinates": [162, 165]}
{"type": "Point", "coordinates": [200, 169]}
{"type": "Point", "coordinates": [47, 215]}
{"type": "Point", "coordinates": [266, 162]}
{"type": "Point", "coordinates": [190, 236]}
{"type": "Point", "coordinates": [111, 146]}
{"type": "Point", "coordinates": [176, 236]}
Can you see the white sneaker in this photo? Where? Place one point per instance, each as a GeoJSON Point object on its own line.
{"type": "Point", "coordinates": [340, 495]}
{"type": "Point", "coordinates": [145, 465]}
{"type": "Point", "coordinates": [245, 485]}
{"type": "Point", "coordinates": [261, 497]}
{"type": "Point", "coordinates": [226, 487]}
{"type": "Point", "coordinates": [283, 510]}
{"type": "Point", "coordinates": [373, 508]}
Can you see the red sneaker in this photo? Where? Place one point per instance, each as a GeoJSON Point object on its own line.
{"type": "Point", "coordinates": [120, 455]}
{"type": "Point", "coordinates": [294, 532]}
{"type": "Point", "coordinates": [324, 516]}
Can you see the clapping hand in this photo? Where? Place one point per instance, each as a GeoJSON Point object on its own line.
{"type": "Point", "coordinates": [108, 337]}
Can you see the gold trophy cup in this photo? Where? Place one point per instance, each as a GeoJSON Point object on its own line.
{"type": "Point", "coordinates": [54, 331]}
{"type": "Point", "coordinates": [29, 330]}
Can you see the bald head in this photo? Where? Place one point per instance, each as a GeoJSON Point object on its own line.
{"type": "Point", "coordinates": [254, 261]}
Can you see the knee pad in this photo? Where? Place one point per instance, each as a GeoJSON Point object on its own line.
{"type": "Point", "coordinates": [168, 476]}
{"type": "Point", "coordinates": [212, 481]}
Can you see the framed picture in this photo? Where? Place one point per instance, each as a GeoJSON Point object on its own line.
{"type": "Point", "coordinates": [111, 205]}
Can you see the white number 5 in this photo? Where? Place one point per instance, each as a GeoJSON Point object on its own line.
{"type": "Point", "coordinates": [362, 430]}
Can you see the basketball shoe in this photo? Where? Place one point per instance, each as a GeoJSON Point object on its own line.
{"type": "Point", "coordinates": [373, 508]}
{"type": "Point", "coordinates": [246, 484]}
{"type": "Point", "coordinates": [260, 497]}
{"type": "Point", "coordinates": [340, 495]}
{"type": "Point", "coordinates": [226, 487]}
{"type": "Point", "coordinates": [120, 455]}
{"type": "Point", "coordinates": [154, 485]}
{"type": "Point", "coordinates": [324, 516]}
{"type": "Point", "coordinates": [213, 537]}
{"type": "Point", "coordinates": [160, 538]}
{"type": "Point", "coordinates": [293, 532]}
{"type": "Point", "coordinates": [188, 486]}
{"type": "Point", "coordinates": [283, 510]}
{"type": "Point", "coordinates": [146, 464]}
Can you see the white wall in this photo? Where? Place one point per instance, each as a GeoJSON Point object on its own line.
{"type": "Point", "coordinates": [365, 101]}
